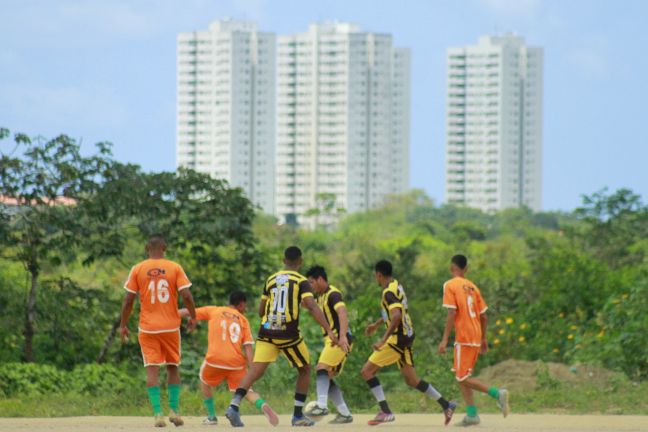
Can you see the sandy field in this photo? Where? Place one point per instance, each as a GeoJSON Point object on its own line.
{"type": "Point", "coordinates": [404, 422]}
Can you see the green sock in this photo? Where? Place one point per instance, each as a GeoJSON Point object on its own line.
{"type": "Point", "coordinates": [471, 410]}
{"type": "Point", "coordinates": [154, 398]}
{"type": "Point", "coordinates": [493, 392]}
{"type": "Point", "coordinates": [209, 404]}
{"type": "Point", "coordinates": [174, 397]}
{"type": "Point", "coordinates": [259, 403]}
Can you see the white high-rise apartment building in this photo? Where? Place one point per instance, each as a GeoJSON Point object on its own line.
{"type": "Point", "coordinates": [343, 120]}
{"type": "Point", "coordinates": [494, 124]}
{"type": "Point", "coordinates": [226, 106]}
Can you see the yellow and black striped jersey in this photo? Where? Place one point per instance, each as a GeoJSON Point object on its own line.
{"type": "Point", "coordinates": [329, 301]}
{"type": "Point", "coordinates": [283, 293]}
{"type": "Point", "coordinates": [394, 297]}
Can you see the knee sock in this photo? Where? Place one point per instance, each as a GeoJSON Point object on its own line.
{"type": "Point", "coordinates": [471, 410]}
{"type": "Point", "coordinates": [377, 390]}
{"type": "Point", "coordinates": [323, 382]}
{"type": "Point", "coordinates": [259, 404]}
{"type": "Point", "coordinates": [431, 392]}
{"type": "Point", "coordinates": [336, 396]}
{"type": "Point", "coordinates": [154, 398]}
{"type": "Point", "coordinates": [209, 404]}
{"type": "Point", "coordinates": [174, 397]}
{"type": "Point", "coordinates": [237, 398]}
{"type": "Point", "coordinates": [493, 392]}
{"type": "Point", "coordinates": [300, 400]}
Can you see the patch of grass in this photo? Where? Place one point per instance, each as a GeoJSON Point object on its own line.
{"type": "Point", "coordinates": [623, 397]}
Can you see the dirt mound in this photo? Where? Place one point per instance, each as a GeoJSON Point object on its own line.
{"type": "Point", "coordinates": [523, 375]}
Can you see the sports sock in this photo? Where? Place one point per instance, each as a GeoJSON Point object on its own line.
{"type": "Point", "coordinates": [259, 403]}
{"type": "Point", "coordinates": [471, 410]}
{"type": "Point", "coordinates": [379, 394]}
{"type": "Point", "coordinates": [209, 404]}
{"type": "Point", "coordinates": [493, 392]}
{"type": "Point", "coordinates": [300, 400]}
{"type": "Point", "coordinates": [154, 398]}
{"type": "Point", "coordinates": [433, 393]}
{"type": "Point", "coordinates": [336, 396]}
{"type": "Point", "coordinates": [239, 394]}
{"type": "Point", "coordinates": [323, 382]}
{"type": "Point", "coordinates": [174, 397]}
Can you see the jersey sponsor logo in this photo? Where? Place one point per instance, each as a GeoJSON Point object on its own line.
{"type": "Point", "coordinates": [156, 272]}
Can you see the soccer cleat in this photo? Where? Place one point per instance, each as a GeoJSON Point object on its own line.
{"type": "Point", "coordinates": [381, 417]}
{"type": "Point", "coordinates": [270, 414]}
{"type": "Point", "coordinates": [175, 418]}
{"type": "Point", "coordinates": [470, 421]}
{"type": "Point", "coordinates": [234, 417]}
{"type": "Point", "coordinates": [210, 421]}
{"type": "Point", "coordinates": [317, 411]}
{"type": "Point", "coordinates": [159, 421]}
{"type": "Point", "coordinates": [503, 402]}
{"type": "Point", "coordinates": [449, 412]}
{"type": "Point", "coordinates": [302, 421]}
{"type": "Point", "coordinates": [342, 419]}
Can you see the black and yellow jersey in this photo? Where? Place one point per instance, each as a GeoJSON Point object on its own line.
{"type": "Point", "coordinates": [394, 297]}
{"type": "Point", "coordinates": [283, 293]}
{"type": "Point", "coordinates": [329, 301]}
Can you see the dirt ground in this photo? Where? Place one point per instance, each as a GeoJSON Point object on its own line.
{"type": "Point", "coordinates": [404, 422]}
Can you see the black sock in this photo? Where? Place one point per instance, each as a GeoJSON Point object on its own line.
{"type": "Point", "coordinates": [444, 403]}
{"type": "Point", "coordinates": [239, 394]}
{"type": "Point", "coordinates": [384, 407]}
{"type": "Point", "coordinates": [300, 400]}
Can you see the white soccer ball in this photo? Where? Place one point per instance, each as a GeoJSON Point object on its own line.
{"type": "Point", "coordinates": [309, 407]}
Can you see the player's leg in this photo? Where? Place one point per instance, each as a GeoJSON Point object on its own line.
{"type": "Point", "coordinates": [171, 349]}
{"type": "Point", "coordinates": [299, 357]}
{"type": "Point", "coordinates": [464, 360]}
{"type": "Point", "coordinates": [411, 378]}
{"type": "Point", "coordinates": [322, 385]}
{"type": "Point", "coordinates": [152, 358]}
{"type": "Point", "coordinates": [255, 372]}
{"type": "Point", "coordinates": [500, 395]}
{"type": "Point", "coordinates": [336, 396]}
{"type": "Point", "coordinates": [209, 377]}
{"type": "Point", "coordinates": [234, 379]}
{"type": "Point", "coordinates": [386, 356]}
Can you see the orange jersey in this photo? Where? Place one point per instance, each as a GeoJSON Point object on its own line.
{"type": "Point", "coordinates": [464, 296]}
{"type": "Point", "coordinates": [229, 330]}
{"type": "Point", "coordinates": [157, 281]}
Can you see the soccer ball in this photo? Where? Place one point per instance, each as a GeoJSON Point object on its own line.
{"type": "Point", "coordinates": [310, 406]}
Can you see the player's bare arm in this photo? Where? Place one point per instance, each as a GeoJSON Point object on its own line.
{"type": "Point", "coordinates": [262, 306]}
{"type": "Point", "coordinates": [126, 311]}
{"type": "Point", "coordinates": [483, 319]}
{"type": "Point", "coordinates": [372, 327]}
{"type": "Point", "coordinates": [188, 302]}
{"type": "Point", "coordinates": [248, 350]}
{"type": "Point", "coordinates": [396, 315]}
{"type": "Point", "coordinates": [344, 328]}
{"type": "Point", "coordinates": [450, 320]}
{"type": "Point", "coordinates": [310, 304]}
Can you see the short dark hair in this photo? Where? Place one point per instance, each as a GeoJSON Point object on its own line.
{"type": "Point", "coordinates": [156, 241]}
{"type": "Point", "coordinates": [237, 297]}
{"type": "Point", "coordinates": [460, 261]}
{"type": "Point", "coordinates": [384, 267]}
{"type": "Point", "coordinates": [317, 271]}
{"type": "Point", "coordinates": [292, 254]}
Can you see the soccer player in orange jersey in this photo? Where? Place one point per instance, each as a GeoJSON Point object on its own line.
{"type": "Point", "coordinates": [157, 281]}
{"type": "Point", "coordinates": [466, 314]}
{"type": "Point", "coordinates": [229, 350]}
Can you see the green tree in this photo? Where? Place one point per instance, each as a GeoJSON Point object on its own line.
{"type": "Point", "coordinates": [42, 183]}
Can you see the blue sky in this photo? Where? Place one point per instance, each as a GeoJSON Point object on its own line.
{"type": "Point", "coordinates": [105, 70]}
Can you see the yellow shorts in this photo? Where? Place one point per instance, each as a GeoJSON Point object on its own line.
{"type": "Point", "coordinates": [295, 351]}
{"type": "Point", "coordinates": [391, 353]}
{"type": "Point", "coordinates": [333, 356]}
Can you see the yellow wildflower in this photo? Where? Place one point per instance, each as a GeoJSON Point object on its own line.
{"type": "Point", "coordinates": [578, 346]}
{"type": "Point", "coordinates": [498, 322]}
{"type": "Point", "coordinates": [554, 350]}
{"type": "Point", "coordinates": [573, 327]}
{"type": "Point", "coordinates": [624, 296]}
{"type": "Point", "coordinates": [616, 301]}
{"type": "Point", "coordinates": [561, 315]}
{"type": "Point", "coordinates": [523, 326]}
{"type": "Point", "coordinates": [570, 336]}
{"type": "Point", "coordinates": [601, 334]}
{"type": "Point", "coordinates": [521, 339]}
{"type": "Point", "coordinates": [509, 320]}
{"type": "Point", "coordinates": [501, 331]}
{"type": "Point", "coordinates": [496, 341]}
